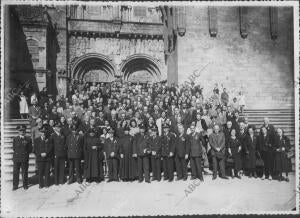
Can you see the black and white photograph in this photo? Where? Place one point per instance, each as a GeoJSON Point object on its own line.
{"type": "Point", "coordinates": [149, 108]}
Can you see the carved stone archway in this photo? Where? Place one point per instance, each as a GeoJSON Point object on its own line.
{"type": "Point", "coordinates": [141, 66]}
{"type": "Point", "coordinates": [93, 62]}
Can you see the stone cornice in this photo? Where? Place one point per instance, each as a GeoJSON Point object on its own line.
{"type": "Point", "coordinates": [94, 28]}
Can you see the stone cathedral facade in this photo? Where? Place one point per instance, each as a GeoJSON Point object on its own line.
{"type": "Point", "coordinates": [240, 48]}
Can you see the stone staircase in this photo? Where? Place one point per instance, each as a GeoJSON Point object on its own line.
{"type": "Point", "coordinates": [280, 118]}
{"type": "Point", "coordinates": [10, 131]}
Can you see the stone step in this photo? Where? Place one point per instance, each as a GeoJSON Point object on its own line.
{"type": "Point", "coordinates": [12, 126]}
{"type": "Point", "coordinates": [274, 123]}
{"type": "Point", "coordinates": [7, 155]}
{"type": "Point", "coordinates": [279, 117]}
{"type": "Point", "coordinates": [269, 110]}
{"type": "Point", "coordinates": [10, 162]}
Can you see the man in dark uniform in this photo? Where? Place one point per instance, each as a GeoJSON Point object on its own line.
{"type": "Point", "coordinates": [58, 141]}
{"type": "Point", "coordinates": [181, 154]}
{"type": "Point", "coordinates": [195, 152]}
{"type": "Point", "coordinates": [141, 150]}
{"type": "Point", "coordinates": [22, 146]}
{"type": "Point", "coordinates": [168, 150]}
{"type": "Point", "coordinates": [111, 149]}
{"type": "Point", "coordinates": [74, 145]}
{"type": "Point", "coordinates": [43, 150]}
{"type": "Point", "coordinates": [217, 143]}
{"type": "Point", "coordinates": [155, 146]}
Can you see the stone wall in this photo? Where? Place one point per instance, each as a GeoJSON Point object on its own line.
{"type": "Point", "coordinates": [118, 50]}
{"type": "Point", "coordinates": [126, 13]}
{"type": "Point", "coordinates": [258, 65]}
{"type": "Point", "coordinates": [58, 19]}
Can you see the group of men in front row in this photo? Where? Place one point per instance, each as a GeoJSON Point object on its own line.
{"type": "Point", "coordinates": [129, 157]}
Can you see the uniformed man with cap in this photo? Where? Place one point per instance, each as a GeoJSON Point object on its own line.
{"type": "Point", "coordinates": [142, 151]}
{"type": "Point", "coordinates": [168, 150]}
{"type": "Point", "coordinates": [43, 150]}
{"type": "Point", "coordinates": [22, 147]}
{"type": "Point", "coordinates": [74, 144]}
{"type": "Point", "coordinates": [155, 146]}
{"type": "Point", "coordinates": [111, 149]}
{"type": "Point", "coordinates": [58, 141]}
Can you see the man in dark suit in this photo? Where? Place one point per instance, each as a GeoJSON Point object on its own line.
{"type": "Point", "coordinates": [43, 150]}
{"type": "Point", "coordinates": [270, 130]}
{"type": "Point", "coordinates": [53, 115]}
{"type": "Point", "coordinates": [66, 130]}
{"type": "Point", "coordinates": [22, 147]}
{"type": "Point", "coordinates": [141, 151]}
{"type": "Point", "coordinates": [168, 150]}
{"type": "Point", "coordinates": [155, 146]}
{"type": "Point", "coordinates": [186, 117]}
{"type": "Point", "coordinates": [227, 131]}
{"type": "Point", "coordinates": [34, 112]}
{"type": "Point", "coordinates": [58, 141]}
{"type": "Point", "coordinates": [195, 152]}
{"type": "Point", "coordinates": [224, 97]}
{"type": "Point", "coordinates": [181, 153]}
{"type": "Point", "coordinates": [217, 143]}
{"type": "Point", "coordinates": [111, 149]}
{"type": "Point", "coordinates": [250, 147]}
{"type": "Point", "coordinates": [74, 144]}
{"type": "Point", "coordinates": [84, 126]}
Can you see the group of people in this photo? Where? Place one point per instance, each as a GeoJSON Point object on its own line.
{"type": "Point", "coordinates": [143, 131]}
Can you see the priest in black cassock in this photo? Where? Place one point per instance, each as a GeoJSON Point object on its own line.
{"type": "Point", "coordinates": [128, 168]}
{"type": "Point", "coordinates": [93, 146]}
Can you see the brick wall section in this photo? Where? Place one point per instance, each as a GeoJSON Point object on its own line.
{"type": "Point", "coordinates": [262, 67]}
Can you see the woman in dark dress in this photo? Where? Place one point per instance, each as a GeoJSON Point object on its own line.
{"type": "Point", "coordinates": [234, 151]}
{"type": "Point", "coordinates": [128, 168]}
{"type": "Point", "coordinates": [93, 146]}
{"type": "Point", "coordinates": [282, 144]}
{"type": "Point", "coordinates": [267, 152]}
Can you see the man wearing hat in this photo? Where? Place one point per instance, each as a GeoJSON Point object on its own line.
{"type": "Point", "coordinates": [92, 148]}
{"type": "Point", "coordinates": [22, 147]}
{"type": "Point", "coordinates": [58, 141]}
{"type": "Point", "coordinates": [43, 150]}
{"type": "Point", "coordinates": [111, 149]}
{"type": "Point", "coordinates": [168, 150]}
{"type": "Point", "coordinates": [155, 146]}
{"type": "Point", "coordinates": [74, 144]}
{"type": "Point", "coordinates": [141, 151]}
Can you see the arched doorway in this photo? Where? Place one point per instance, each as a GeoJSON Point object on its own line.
{"type": "Point", "coordinates": [140, 68]}
{"type": "Point", "coordinates": [93, 67]}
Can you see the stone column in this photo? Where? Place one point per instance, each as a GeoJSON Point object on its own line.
{"type": "Point", "coordinates": [172, 64]}
{"type": "Point", "coordinates": [7, 42]}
